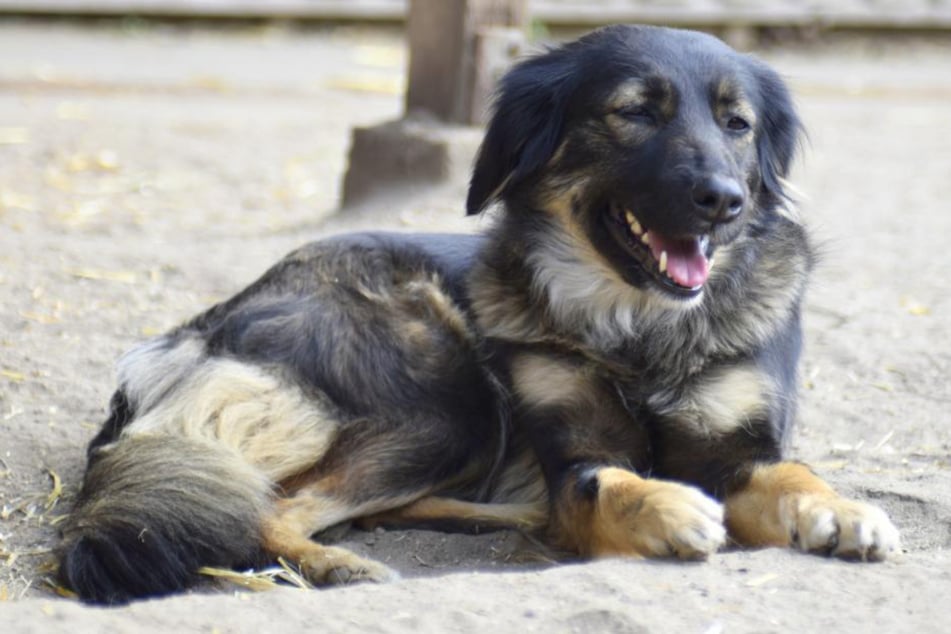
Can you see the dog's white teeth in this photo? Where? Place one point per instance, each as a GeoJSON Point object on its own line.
{"type": "Point", "coordinates": [646, 238]}
{"type": "Point", "coordinates": [632, 222]}
{"type": "Point", "coordinates": [663, 262]}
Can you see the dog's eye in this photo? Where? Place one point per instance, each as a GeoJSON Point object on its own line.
{"type": "Point", "coordinates": [737, 124]}
{"type": "Point", "coordinates": [638, 114]}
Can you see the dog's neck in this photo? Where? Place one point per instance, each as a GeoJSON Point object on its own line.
{"type": "Point", "coordinates": [536, 286]}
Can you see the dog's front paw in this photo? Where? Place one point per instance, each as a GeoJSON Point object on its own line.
{"type": "Point", "coordinates": [653, 518]}
{"type": "Point", "coordinates": [844, 528]}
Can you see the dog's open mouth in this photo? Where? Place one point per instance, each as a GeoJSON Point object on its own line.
{"type": "Point", "coordinates": [679, 265]}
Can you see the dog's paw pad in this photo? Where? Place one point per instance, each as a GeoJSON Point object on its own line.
{"type": "Point", "coordinates": [846, 529]}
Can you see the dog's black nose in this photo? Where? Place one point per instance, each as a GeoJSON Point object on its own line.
{"type": "Point", "coordinates": [718, 199]}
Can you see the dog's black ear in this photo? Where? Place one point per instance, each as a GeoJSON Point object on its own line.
{"type": "Point", "coordinates": [526, 126]}
{"type": "Point", "coordinates": [780, 131]}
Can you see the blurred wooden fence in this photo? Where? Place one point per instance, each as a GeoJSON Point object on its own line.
{"type": "Point", "coordinates": [867, 14]}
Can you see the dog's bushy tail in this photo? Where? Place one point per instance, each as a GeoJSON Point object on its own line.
{"type": "Point", "coordinates": [153, 510]}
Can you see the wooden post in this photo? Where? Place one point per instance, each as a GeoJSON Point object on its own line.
{"type": "Point", "coordinates": [453, 45]}
{"type": "Point", "coordinates": [458, 49]}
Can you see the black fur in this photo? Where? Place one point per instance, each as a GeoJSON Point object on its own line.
{"type": "Point", "coordinates": [535, 97]}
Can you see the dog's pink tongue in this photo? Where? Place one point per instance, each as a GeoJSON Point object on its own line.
{"type": "Point", "coordinates": [686, 263]}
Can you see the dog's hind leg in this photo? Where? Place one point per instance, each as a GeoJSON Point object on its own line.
{"type": "Point", "coordinates": [374, 466]}
{"type": "Point", "coordinates": [443, 512]}
{"type": "Point", "coordinates": [286, 533]}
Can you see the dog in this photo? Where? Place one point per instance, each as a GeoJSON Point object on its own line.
{"type": "Point", "coordinates": [613, 364]}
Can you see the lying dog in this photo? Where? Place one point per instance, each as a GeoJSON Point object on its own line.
{"type": "Point", "coordinates": [614, 363]}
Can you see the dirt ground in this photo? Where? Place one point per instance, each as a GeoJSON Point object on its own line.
{"type": "Point", "coordinates": [148, 171]}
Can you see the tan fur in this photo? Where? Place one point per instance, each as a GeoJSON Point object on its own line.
{"type": "Point", "coordinates": [720, 262]}
{"type": "Point", "coordinates": [558, 156]}
{"type": "Point", "coordinates": [442, 306]}
{"type": "Point", "coordinates": [559, 199]}
{"type": "Point", "coordinates": [638, 517]}
{"type": "Point", "coordinates": [754, 515]}
{"type": "Point", "coordinates": [427, 289]}
{"type": "Point", "coordinates": [726, 400]}
{"type": "Point", "coordinates": [628, 93]}
{"type": "Point", "coordinates": [435, 509]}
{"type": "Point", "coordinates": [786, 504]}
{"type": "Point", "coordinates": [416, 333]}
{"type": "Point", "coordinates": [541, 381]}
{"type": "Point", "coordinates": [731, 101]}
{"type": "Point", "coordinates": [272, 424]}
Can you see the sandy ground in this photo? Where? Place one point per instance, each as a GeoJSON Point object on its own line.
{"type": "Point", "coordinates": [147, 172]}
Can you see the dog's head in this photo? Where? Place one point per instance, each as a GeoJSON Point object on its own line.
{"type": "Point", "coordinates": [656, 146]}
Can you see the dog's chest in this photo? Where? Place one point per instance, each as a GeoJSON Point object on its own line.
{"type": "Point", "coordinates": [714, 401]}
